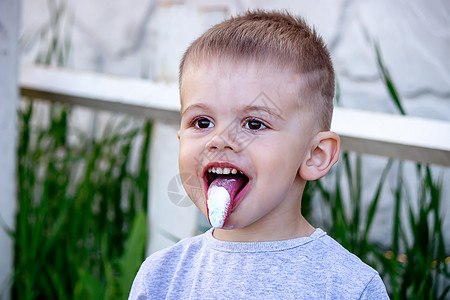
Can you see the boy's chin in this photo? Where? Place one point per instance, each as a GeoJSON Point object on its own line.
{"type": "Point", "coordinates": [227, 227]}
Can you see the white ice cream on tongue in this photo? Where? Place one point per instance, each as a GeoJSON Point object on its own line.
{"type": "Point", "coordinates": [221, 193]}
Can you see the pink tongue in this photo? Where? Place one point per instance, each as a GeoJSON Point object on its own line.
{"type": "Point", "coordinates": [231, 183]}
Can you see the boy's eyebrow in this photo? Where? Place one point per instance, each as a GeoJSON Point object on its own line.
{"type": "Point", "coordinates": [266, 109]}
{"type": "Point", "coordinates": [246, 109]}
{"type": "Point", "coordinates": [196, 106]}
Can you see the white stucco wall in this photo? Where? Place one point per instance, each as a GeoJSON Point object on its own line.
{"type": "Point", "coordinates": [147, 38]}
{"type": "Point", "coordinates": [9, 33]}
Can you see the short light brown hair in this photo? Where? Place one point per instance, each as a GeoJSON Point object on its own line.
{"type": "Point", "coordinates": [278, 38]}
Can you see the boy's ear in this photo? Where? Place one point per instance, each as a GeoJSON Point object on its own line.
{"type": "Point", "coordinates": [178, 134]}
{"type": "Point", "coordinates": [322, 155]}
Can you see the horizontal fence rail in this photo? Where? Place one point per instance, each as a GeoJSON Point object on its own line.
{"type": "Point", "coordinates": [401, 137]}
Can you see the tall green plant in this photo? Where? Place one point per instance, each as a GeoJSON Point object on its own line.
{"type": "Point", "coordinates": [77, 203]}
{"type": "Point", "coordinates": [80, 225]}
{"type": "Point", "coordinates": [422, 272]}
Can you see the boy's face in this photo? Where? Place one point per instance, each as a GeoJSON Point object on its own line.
{"type": "Point", "coordinates": [245, 117]}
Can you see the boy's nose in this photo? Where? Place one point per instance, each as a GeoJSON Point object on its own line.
{"type": "Point", "coordinates": [223, 141]}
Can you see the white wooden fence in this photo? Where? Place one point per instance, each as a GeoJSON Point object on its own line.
{"type": "Point", "coordinates": [422, 140]}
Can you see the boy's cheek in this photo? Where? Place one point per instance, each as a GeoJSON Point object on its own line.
{"type": "Point", "coordinates": [195, 192]}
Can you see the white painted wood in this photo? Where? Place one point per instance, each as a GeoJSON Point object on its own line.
{"type": "Point", "coordinates": [168, 205]}
{"type": "Point", "coordinates": [422, 140]}
{"type": "Point", "coordinates": [9, 36]}
{"type": "Point", "coordinates": [408, 138]}
{"type": "Point", "coordinates": [120, 94]}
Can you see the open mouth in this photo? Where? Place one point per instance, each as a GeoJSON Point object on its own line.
{"type": "Point", "coordinates": [224, 186]}
{"type": "Point", "coordinates": [224, 174]}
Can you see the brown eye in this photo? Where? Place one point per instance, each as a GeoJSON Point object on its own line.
{"type": "Point", "coordinates": [254, 125]}
{"type": "Point", "coordinates": [203, 123]}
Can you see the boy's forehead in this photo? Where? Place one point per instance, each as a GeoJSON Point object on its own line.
{"type": "Point", "coordinates": [270, 75]}
{"type": "Point", "coordinates": [260, 85]}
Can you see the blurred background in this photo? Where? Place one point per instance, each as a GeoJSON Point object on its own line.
{"type": "Point", "coordinates": [97, 190]}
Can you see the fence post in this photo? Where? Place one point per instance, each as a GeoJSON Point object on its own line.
{"type": "Point", "coordinates": [171, 216]}
{"type": "Point", "coordinates": [9, 49]}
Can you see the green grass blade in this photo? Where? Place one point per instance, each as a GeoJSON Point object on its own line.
{"type": "Point", "coordinates": [374, 202]}
{"type": "Point", "coordinates": [385, 75]}
{"type": "Point", "coordinates": [134, 252]}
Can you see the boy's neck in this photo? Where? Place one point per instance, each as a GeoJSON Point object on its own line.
{"type": "Point", "coordinates": [260, 232]}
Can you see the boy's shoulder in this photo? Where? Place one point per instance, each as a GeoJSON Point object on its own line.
{"type": "Point", "coordinates": [339, 262]}
{"type": "Point", "coordinates": [182, 250]}
{"type": "Point", "coordinates": [157, 272]}
{"type": "Point", "coordinates": [332, 251]}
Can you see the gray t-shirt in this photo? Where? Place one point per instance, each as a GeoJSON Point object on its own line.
{"type": "Point", "coordinates": [202, 267]}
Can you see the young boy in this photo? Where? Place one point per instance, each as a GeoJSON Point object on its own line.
{"type": "Point", "coordinates": [256, 106]}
